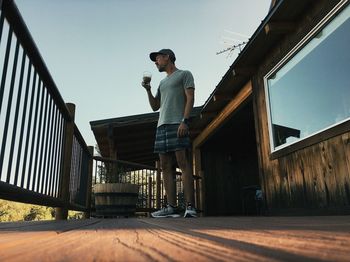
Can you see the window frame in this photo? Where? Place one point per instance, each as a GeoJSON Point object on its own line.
{"type": "Point", "coordinates": [323, 134]}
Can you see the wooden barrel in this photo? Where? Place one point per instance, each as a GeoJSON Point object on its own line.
{"type": "Point", "coordinates": [115, 199]}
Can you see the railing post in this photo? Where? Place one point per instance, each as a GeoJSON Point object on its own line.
{"type": "Point", "coordinates": [200, 183]}
{"type": "Point", "coordinates": [87, 214]}
{"type": "Point", "coordinates": [62, 212]}
{"type": "Point", "coordinates": [158, 181]}
{"type": "Point", "coordinates": [149, 192]}
{"type": "Point", "coordinates": [202, 192]}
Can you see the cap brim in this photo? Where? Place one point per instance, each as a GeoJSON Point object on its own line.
{"type": "Point", "coordinates": [153, 56]}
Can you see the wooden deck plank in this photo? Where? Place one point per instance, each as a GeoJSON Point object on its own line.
{"type": "Point", "coordinates": [201, 239]}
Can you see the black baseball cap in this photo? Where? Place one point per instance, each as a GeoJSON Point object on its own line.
{"type": "Point", "coordinates": [163, 52]}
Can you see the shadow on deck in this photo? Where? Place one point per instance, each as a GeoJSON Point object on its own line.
{"type": "Point", "coordinates": [202, 239]}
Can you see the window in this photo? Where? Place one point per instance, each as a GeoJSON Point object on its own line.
{"type": "Point", "coordinates": [309, 90]}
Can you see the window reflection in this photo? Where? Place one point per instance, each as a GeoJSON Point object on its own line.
{"type": "Point", "coordinates": [281, 133]}
{"type": "Point", "coordinates": [311, 92]}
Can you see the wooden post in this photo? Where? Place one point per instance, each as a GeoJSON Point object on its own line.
{"type": "Point", "coordinates": [202, 193]}
{"type": "Point", "coordinates": [149, 204]}
{"type": "Point", "coordinates": [87, 214]}
{"type": "Point", "coordinates": [62, 212]}
{"type": "Point", "coordinates": [197, 166]}
{"type": "Point", "coordinates": [158, 192]}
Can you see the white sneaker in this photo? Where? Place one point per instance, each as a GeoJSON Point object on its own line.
{"type": "Point", "coordinates": [190, 212]}
{"type": "Point", "coordinates": [167, 211]}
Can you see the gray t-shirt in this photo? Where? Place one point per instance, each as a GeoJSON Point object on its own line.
{"type": "Point", "coordinates": [171, 92]}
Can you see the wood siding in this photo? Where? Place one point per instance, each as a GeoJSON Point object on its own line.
{"type": "Point", "coordinates": [316, 177]}
{"type": "Point", "coordinates": [230, 166]}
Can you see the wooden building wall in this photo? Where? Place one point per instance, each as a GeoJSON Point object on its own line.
{"type": "Point", "coordinates": [314, 179]}
{"type": "Point", "coordinates": [229, 162]}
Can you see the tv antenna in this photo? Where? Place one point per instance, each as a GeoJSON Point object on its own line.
{"type": "Point", "coordinates": [239, 38]}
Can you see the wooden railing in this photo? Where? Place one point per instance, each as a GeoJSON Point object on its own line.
{"type": "Point", "coordinates": [43, 158]}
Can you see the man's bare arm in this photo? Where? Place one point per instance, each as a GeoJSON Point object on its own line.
{"type": "Point", "coordinates": [154, 102]}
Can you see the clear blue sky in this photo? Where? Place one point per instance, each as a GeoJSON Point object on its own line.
{"type": "Point", "coordinates": [96, 50]}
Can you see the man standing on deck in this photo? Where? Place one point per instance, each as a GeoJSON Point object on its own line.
{"type": "Point", "coordinates": [175, 99]}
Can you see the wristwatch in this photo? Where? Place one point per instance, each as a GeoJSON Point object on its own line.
{"type": "Point", "coordinates": [185, 121]}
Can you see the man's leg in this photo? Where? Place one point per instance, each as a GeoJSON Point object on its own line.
{"type": "Point", "coordinates": [168, 178]}
{"type": "Point", "coordinates": [187, 175]}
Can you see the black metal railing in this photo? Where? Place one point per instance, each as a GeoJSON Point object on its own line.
{"type": "Point", "coordinates": [150, 194]}
{"type": "Point", "coordinates": [79, 175]}
{"type": "Point", "coordinates": [33, 124]}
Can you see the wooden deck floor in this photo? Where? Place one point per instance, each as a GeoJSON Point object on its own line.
{"type": "Point", "coordinates": [199, 239]}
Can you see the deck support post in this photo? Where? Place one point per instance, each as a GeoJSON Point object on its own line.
{"type": "Point", "coordinates": [158, 192]}
{"type": "Point", "coordinates": [149, 204]}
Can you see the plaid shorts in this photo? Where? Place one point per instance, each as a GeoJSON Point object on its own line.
{"type": "Point", "coordinates": [167, 140]}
